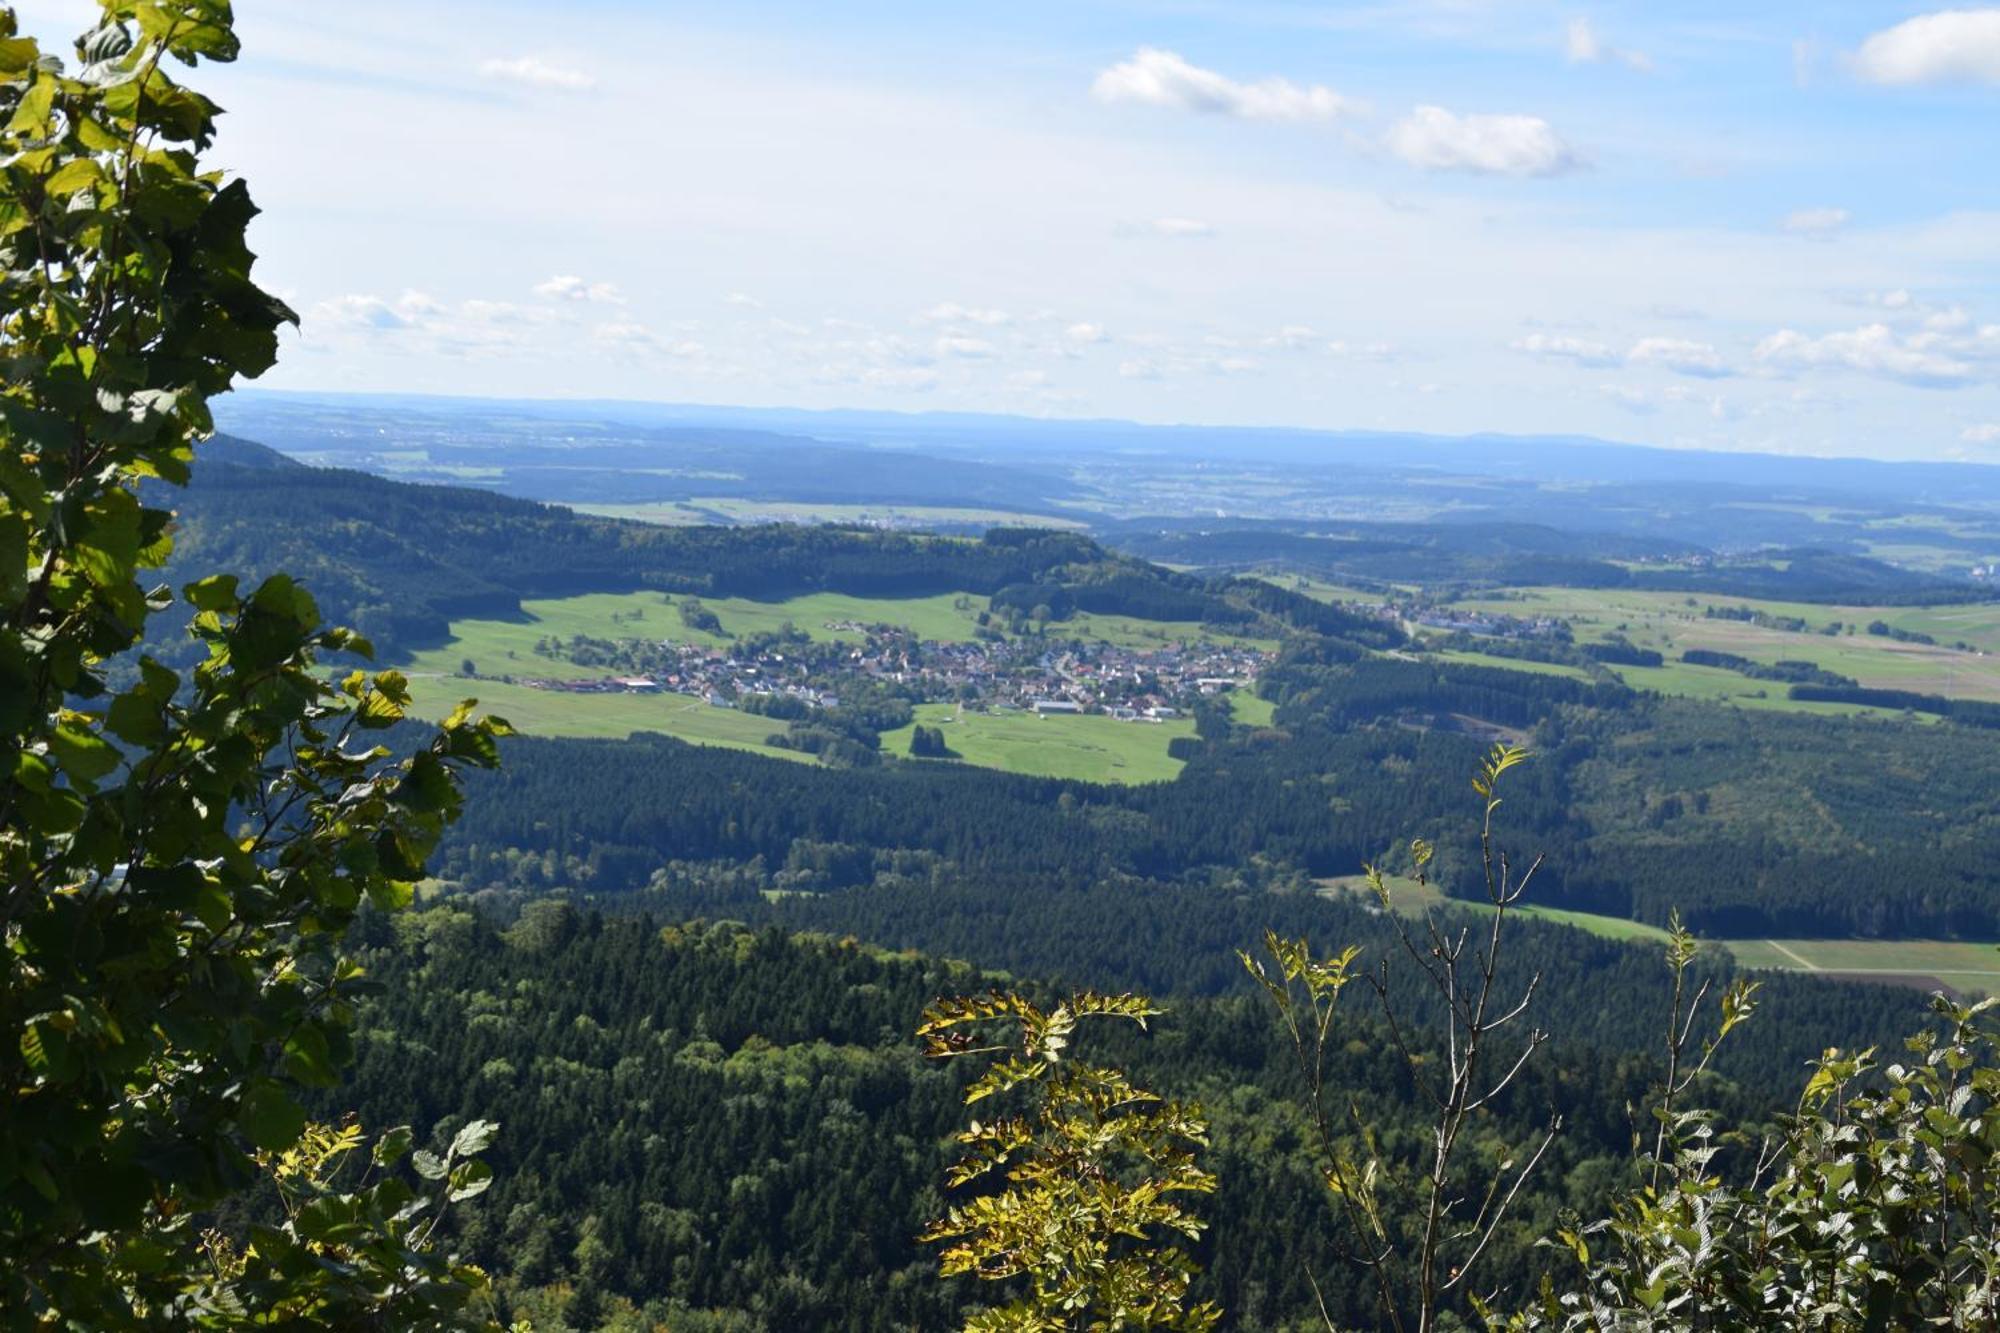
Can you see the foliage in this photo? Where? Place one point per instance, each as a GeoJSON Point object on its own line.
{"type": "Point", "coordinates": [1435, 1241]}
{"type": "Point", "coordinates": [350, 1253]}
{"type": "Point", "coordinates": [180, 856]}
{"type": "Point", "coordinates": [1090, 1174]}
{"type": "Point", "coordinates": [1874, 1206]}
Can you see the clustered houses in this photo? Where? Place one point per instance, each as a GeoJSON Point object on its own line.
{"type": "Point", "coordinates": [1042, 675]}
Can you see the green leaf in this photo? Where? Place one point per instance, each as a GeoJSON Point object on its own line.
{"type": "Point", "coordinates": [82, 753]}
{"type": "Point", "coordinates": [215, 593]}
{"type": "Point", "coordinates": [393, 1146]}
{"type": "Point", "coordinates": [428, 1164]}
{"type": "Point", "coordinates": [474, 1138]}
{"type": "Point", "coordinates": [270, 1117]}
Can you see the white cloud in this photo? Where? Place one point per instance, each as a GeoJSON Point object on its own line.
{"type": "Point", "coordinates": [743, 299]}
{"type": "Point", "coordinates": [1293, 337]}
{"type": "Point", "coordinates": [951, 312]}
{"type": "Point", "coordinates": [908, 379]}
{"type": "Point", "coordinates": [1368, 351]}
{"type": "Point", "coordinates": [1138, 368]}
{"type": "Point", "coordinates": [569, 287]}
{"type": "Point", "coordinates": [1954, 45]}
{"type": "Point", "coordinates": [1162, 78]}
{"type": "Point", "coordinates": [1817, 223]}
{"type": "Point", "coordinates": [969, 349]}
{"type": "Point", "coordinates": [1683, 356]}
{"type": "Point", "coordinates": [623, 332]}
{"type": "Point", "coordinates": [1434, 139]}
{"type": "Point", "coordinates": [373, 314]}
{"type": "Point", "coordinates": [1988, 433]}
{"type": "Point", "coordinates": [1927, 360]}
{"type": "Point", "coordinates": [1181, 227]}
{"type": "Point", "coordinates": [1085, 332]}
{"type": "Point", "coordinates": [537, 73]}
{"type": "Point", "coordinates": [1558, 347]}
{"type": "Point", "coordinates": [1584, 47]}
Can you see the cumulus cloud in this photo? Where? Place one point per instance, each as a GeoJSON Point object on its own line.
{"type": "Point", "coordinates": [1434, 139]}
{"type": "Point", "coordinates": [373, 314]}
{"type": "Point", "coordinates": [1557, 347]}
{"type": "Point", "coordinates": [1084, 332]}
{"type": "Point", "coordinates": [1683, 356]}
{"type": "Point", "coordinates": [533, 72]}
{"type": "Point", "coordinates": [907, 379]}
{"type": "Point", "coordinates": [1817, 223]}
{"type": "Point", "coordinates": [1138, 368]}
{"type": "Point", "coordinates": [1153, 77]}
{"type": "Point", "coordinates": [1952, 46]}
{"type": "Point", "coordinates": [1172, 228]}
{"type": "Point", "coordinates": [1368, 351]}
{"type": "Point", "coordinates": [1584, 47]}
{"type": "Point", "coordinates": [1927, 359]}
{"type": "Point", "coordinates": [951, 312]}
{"type": "Point", "coordinates": [569, 287]}
{"type": "Point", "coordinates": [1988, 433]}
{"type": "Point", "coordinates": [743, 299]}
{"type": "Point", "coordinates": [967, 349]}
{"type": "Point", "coordinates": [1293, 337]}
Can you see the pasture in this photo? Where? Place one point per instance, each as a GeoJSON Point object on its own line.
{"type": "Point", "coordinates": [1087, 748]}
{"type": "Point", "coordinates": [614, 716]}
{"type": "Point", "coordinates": [1672, 623]}
{"type": "Point", "coordinates": [1961, 965]}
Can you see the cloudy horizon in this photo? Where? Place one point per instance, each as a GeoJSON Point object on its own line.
{"type": "Point", "coordinates": [1775, 232]}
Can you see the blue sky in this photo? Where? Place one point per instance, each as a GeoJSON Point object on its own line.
{"type": "Point", "coordinates": [1767, 227]}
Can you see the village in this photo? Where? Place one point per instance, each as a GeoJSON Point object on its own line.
{"type": "Point", "coordinates": [1035, 674]}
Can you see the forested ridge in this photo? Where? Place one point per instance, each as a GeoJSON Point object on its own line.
{"type": "Point", "coordinates": [399, 561]}
{"type": "Point", "coordinates": [731, 1128]}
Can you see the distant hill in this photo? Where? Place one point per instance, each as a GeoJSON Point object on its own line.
{"type": "Point", "coordinates": [1518, 554]}
{"type": "Point", "coordinates": [400, 561]}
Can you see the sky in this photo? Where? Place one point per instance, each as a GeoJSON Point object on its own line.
{"type": "Point", "coordinates": [1769, 227]}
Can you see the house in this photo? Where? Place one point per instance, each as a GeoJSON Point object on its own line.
{"type": "Point", "coordinates": [1044, 707]}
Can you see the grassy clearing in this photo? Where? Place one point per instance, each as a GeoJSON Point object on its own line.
{"type": "Point", "coordinates": [1666, 622]}
{"type": "Point", "coordinates": [1411, 899]}
{"type": "Point", "coordinates": [1090, 748]}
{"type": "Point", "coordinates": [1960, 964]}
{"type": "Point", "coordinates": [507, 647]}
{"type": "Point", "coordinates": [1247, 708]}
{"type": "Point", "coordinates": [1514, 664]}
{"type": "Point", "coordinates": [552, 713]}
{"type": "Point", "coordinates": [708, 509]}
{"type": "Point", "coordinates": [1964, 966]}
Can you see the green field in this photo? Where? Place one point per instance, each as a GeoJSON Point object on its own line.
{"type": "Point", "coordinates": [1667, 623]}
{"type": "Point", "coordinates": [1097, 749]}
{"type": "Point", "coordinates": [1412, 899]}
{"type": "Point", "coordinates": [554, 713]}
{"type": "Point", "coordinates": [507, 647]}
{"type": "Point", "coordinates": [1251, 711]}
{"type": "Point", "coordinates": [715, 509]}
{"type": "Point", "coordinates": [1090, 748]}
{"type": "Point", "coordinates": [1962, 965]}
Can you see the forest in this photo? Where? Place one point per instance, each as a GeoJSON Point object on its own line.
{"type": "Point", "coordinates": [709, 1126]}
